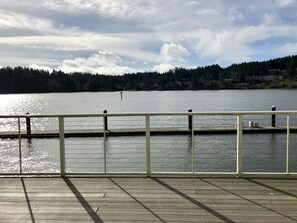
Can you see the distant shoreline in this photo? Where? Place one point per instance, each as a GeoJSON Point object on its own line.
{"type": "Point", "coordinates": [61, 92]}
{"type": "Point", "coordinates": [280, 73]}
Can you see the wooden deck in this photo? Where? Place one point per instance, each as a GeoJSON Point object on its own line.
{"type": "Point", "coordinates": [147, 200]}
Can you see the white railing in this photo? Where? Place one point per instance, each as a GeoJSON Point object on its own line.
{"type": "Point", "coordinates": [153, 144]}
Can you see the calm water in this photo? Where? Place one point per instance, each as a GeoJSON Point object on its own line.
{"type": "Point", "coordinates": [265, 152]}
{"type": "Point", "coordinates": [148, 101]}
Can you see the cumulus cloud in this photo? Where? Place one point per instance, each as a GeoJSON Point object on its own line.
{"type": "Point", "coordinates": [270, 19]}
{"type": "Point", "coordinates": [173, 52]}
{"type": "Point", "coordinates": [237, 44]}
{"type": "Point", "coordinates": [10, 19]}
{"type": "Point", "coordinates": [102, 63]}
{"type": "Point", "coordinates": [208, 12]}
{"type": "Point", "coordinates": [289, 48]}
{"type": "Point", "coordinates": [227, 45]}
{"type": "Point", "coordinates": [193, 3]}
{"type": "Point", "coordinates": [13, 21]}
{"type": "Point", "coordinates": [188, 31]}
{"type": "Point", "coordinates": [102, 58]}
{"type": "Point", "coordinates": [234, 15]}
{"type": "Point", "coordinates": [118, 8]}
{"type": "Point", "coordinates": [285, 3]}
{"type": "Point", "coordinates": [123, 45]}
{"type": "Point", "coordinates": [163, 67]}
{"type": "Point", "coordinates": [38, 67]}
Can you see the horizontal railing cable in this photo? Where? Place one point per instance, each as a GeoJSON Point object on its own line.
{"type": "Point", "coordinates": [268, 147]}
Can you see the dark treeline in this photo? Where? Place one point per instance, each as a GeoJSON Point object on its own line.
{"type": "Point", "coordinates": [275, 73]}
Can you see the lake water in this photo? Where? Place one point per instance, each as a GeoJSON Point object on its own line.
{"type": "Point", "coordinates": [148, 101]}
{"type": "Point", "coordinates": [261, 152]}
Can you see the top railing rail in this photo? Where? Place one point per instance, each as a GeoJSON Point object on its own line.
{"type": "Point", "coordinates": [214, 113]}
{"type": "Point", "coordinates": [191, 151]}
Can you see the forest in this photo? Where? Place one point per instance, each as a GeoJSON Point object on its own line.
{"type": "Point", "coordinates": [274, 73]}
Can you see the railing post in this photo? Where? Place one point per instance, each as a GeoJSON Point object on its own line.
{"type": "Point", "coordinates": [239, 145]}
{"type": "Point", "coordinates": [28, 124]}
{"type": "Point", "coordinates": [273, 118]}
{"type": "Point", "coordinates": [105, 128]}
{"type": "Point", "coordinates": [20, 145]}
{"type": "Point", "coordinates": [148, 146]}
{"type": "Point", "coordinates": [190, 120]}
{"type": "Point", "coordinates": [104, 149]}
{"type": "Point", "coordinates": [105, 121]}
{"type": "Point", "coordinates": [62, 145]}
{"type": "Point", "coordinates": [193, 149]}
{"type": "Point", "coordinates": [288, 145]}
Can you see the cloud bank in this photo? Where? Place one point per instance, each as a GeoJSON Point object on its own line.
{"type": "Point", "coordinates": [103, 36]}
{"type": "Point", "coordinates": [100, 63]}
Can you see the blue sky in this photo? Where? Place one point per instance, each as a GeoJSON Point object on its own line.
{"type": "Point", "coordinates": [123, 36]}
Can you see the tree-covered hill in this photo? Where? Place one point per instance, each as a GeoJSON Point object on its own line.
{"type": "Point", "coordinates": [275, 73]}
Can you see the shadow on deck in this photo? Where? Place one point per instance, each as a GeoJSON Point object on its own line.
{"type": "Point", "coordinates": [148, 199]}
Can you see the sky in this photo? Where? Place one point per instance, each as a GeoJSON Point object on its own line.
{"type": "Point", "coordinates": [114, 37]}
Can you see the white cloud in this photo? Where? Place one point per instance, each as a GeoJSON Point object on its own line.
{"type": "Point", "coordinates": [10, 20]}
{"type": "Point", "coordinates": [227, 45]}
{"type": "Point", "coordinates": [153, 14]}
{"type": "Point", "coordinates": [126, 9]}
{"type": "Point", "coordinates": [208, 12]}
{"type": "Point", "coordinates": [270, 19]}
{"type": "Point", "coordinates": [173, 52]}
{"type": "Point", "coordinates": [191, 3]}
{"type": "Point", "coordinates": [37, 67]}
{"type": "Point", "coordinates": [213, 30]}
{"type": "Point", "coordinates": [234, 15]}
{"type": "Point", "coordinates": [123, 45]}
{"type": "Point", "coordinates": [236, 44]}
{"type": "Point", "coordinates": [163, 67]}
{"type": "Point", "coordinates": [290, 48]}
{"type": "Point", "coordinates": [102, 63]}
{"type": "Point", "coordinates": [285, 3]}
{"type": "Point", "coordinates": [104, 59]}
{"type": "Point", "coordinates": [14, 59]}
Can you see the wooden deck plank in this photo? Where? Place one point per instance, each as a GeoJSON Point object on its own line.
{"type": "Point", "coordinates": [147, 200]}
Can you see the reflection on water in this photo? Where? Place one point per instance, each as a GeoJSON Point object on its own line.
{"type": "Point", "coordinates": [9, 155]}
{"type": "Point", "coordinates": [215, 153]}
{"type": "Point", "coordinates": [212, 153]}
{"type": "Point", "coordinates": [148, 101]}
{"type": "Point", "coordinates": [261, 152]}
{"type": "Point", "coordinates": [84, 155]}
{"type": "Point", "coordinates": [265, 152]}
{"type": "Point", "coordinates": [38, 155]}
{"type": "Point", "coordinates": [171, 154]}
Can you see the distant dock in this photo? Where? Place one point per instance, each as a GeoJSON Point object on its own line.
{"type": "Point", "coordinates": [190, 156]}
{"type": "Point", "coordinates": [142, 132]}
{"type": "Point", "coordinates": [127, 124]}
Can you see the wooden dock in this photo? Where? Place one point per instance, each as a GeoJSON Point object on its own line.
{"type": "Point", "coordinates": [148, 200]}
{"type": "Point", "coordinates": [142, 132]}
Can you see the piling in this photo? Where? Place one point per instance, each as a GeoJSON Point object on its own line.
{"type": "Point", "coordinates": [105, 121]}
{"type": "Point", "coordinates": [28, 124]}
{"type": "Point", "coordinates": [273, 117]}
{"type": "Point", "coordinates": [190, 120]}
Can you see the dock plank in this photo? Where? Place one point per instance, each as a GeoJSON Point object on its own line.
{"type": "Point", "coordinates": [135, 199]}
